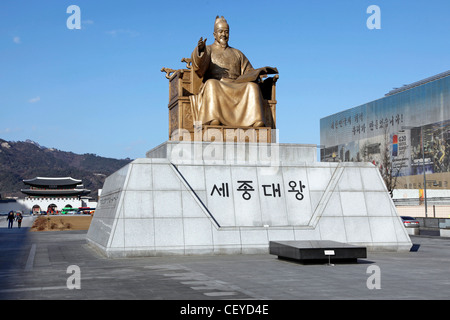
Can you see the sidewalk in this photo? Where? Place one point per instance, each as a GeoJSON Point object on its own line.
{"type": "Point", "coordinates": [27, 221]}
{"type": "Point", "coordinates": [37, 265]}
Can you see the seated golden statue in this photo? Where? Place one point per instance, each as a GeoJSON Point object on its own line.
{"type": "Point", "coordinates": [221, 90]}
{"type": "Point", "coordinates": [228, 96]}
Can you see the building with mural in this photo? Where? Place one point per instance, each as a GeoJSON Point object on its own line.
{"type": "Point", "coordinates": [409, 125]}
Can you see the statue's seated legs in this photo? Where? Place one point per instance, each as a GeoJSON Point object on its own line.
{"type": "Point", "coordinates": [229, 103]}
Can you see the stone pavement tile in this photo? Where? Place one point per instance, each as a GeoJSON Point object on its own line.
{"type": "Point", "coordinates": [43, 276]}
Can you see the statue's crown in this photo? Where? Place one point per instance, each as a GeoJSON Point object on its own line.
{"type": "Point", "coordinates": [218, 20]}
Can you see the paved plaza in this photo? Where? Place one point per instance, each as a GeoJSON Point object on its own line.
{"type": "Point", "coordinates": [40, 266]}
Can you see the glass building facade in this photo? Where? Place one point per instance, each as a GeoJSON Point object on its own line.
{"type": "Point", "coordinates": [394, 126]}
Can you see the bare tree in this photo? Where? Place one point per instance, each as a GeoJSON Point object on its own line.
{"type": "Point", "coordinates": [389, 171]}
{"type": "Point", "coordinates": [380, 155]}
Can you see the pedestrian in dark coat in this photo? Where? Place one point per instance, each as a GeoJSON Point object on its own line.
{"type": "Point", "coordinates": [10, 219]}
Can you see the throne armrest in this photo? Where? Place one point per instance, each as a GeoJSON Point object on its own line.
{"type": "Point", "coordinates": [268, 87]}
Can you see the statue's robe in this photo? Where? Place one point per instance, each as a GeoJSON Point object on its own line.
{"type": "Point", "coordinates": [223, 96]}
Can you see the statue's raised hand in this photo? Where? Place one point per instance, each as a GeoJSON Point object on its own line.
{"type": "Point", "coordinates": [201, 44]}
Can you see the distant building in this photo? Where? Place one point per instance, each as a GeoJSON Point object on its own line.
{"type": "Point", "coordinates": [53, 194]}
{"type": "Point", "coordinates": [394, 125]}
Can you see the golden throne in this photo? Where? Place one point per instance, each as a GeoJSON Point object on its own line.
{"type": "Point", "coordinates": [185, 82]}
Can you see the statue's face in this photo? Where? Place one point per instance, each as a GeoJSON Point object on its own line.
{"type": "Point", "coordinates": [222, 33]}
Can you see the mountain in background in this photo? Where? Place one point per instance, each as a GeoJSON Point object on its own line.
{"type": "Point", "coordinates": [24, 160]}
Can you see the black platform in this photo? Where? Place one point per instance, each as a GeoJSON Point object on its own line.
{"type": "Point", "coordinates": [317, 251]}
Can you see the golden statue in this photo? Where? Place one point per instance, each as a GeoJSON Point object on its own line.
{"type": "Point", "coordinates": [220, 91]}
{"type": "Point", "coordinates": [229, 94]}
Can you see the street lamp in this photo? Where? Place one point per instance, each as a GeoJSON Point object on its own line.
{"type": "Point", "coordinates": [423, 168]}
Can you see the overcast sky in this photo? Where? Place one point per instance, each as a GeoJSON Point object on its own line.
{"type": "Point", "coordinates": [99, 89]}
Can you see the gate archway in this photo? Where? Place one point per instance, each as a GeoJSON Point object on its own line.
{"type": "Point", "coordinates": [36, 209]}
{"type": "Point", "coordinates": [51, 209]}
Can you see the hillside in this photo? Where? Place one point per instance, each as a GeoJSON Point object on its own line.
{"type": "Point", "coordinates": [27, 159]}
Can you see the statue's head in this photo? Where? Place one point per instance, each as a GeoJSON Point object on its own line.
{"type": "Point", "coordinates": [221, 31]}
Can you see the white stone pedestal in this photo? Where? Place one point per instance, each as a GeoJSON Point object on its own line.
{"type": "Point", "coordinates": [182, 200]}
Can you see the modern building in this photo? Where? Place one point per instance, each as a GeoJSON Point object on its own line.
{"type": "Point", "coordinates": [409, 126]}
{"type": "Point", "coordinates": [53, 194]}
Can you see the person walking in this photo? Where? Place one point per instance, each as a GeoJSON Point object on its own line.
{"type": "Point", "coordinates": [10, 219]}
{"type": "Point", "coordinates": [19, 219]}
